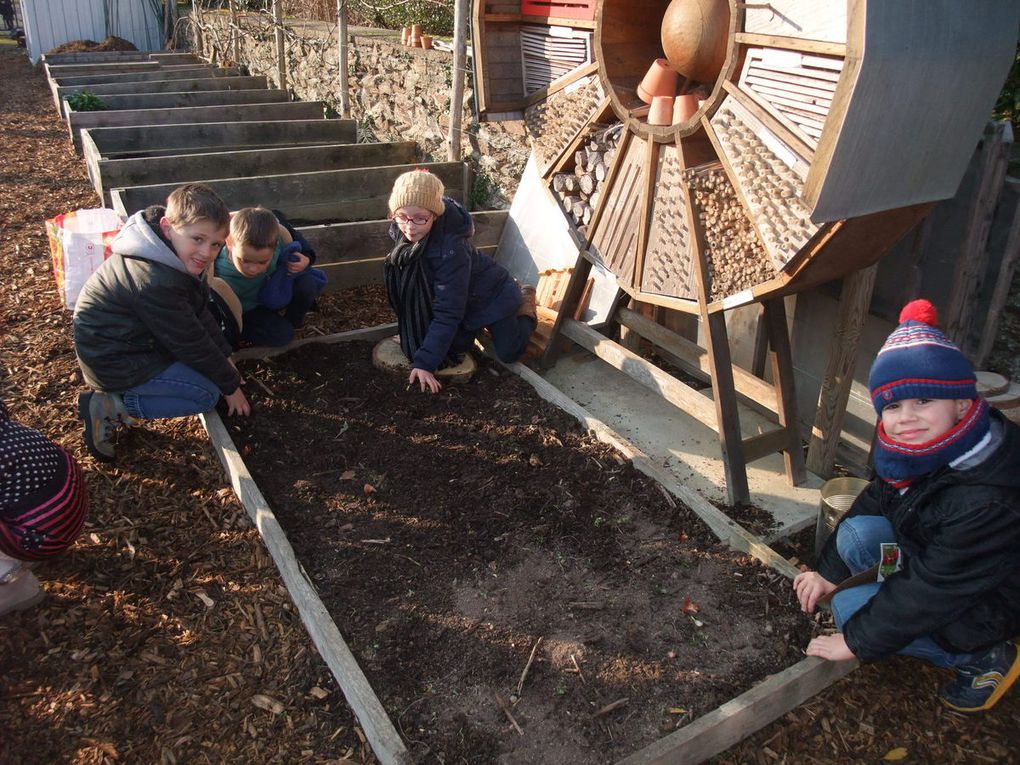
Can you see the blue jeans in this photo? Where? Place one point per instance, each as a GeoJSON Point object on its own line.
{"type": "Point", "coordinates": [858, 541]}
{"type": "Point", "coordinates": [177, 391]}
{"type": "Point", "coordinates": [262, 326]}
{"type": "Point", "coordinates": [509, 337]}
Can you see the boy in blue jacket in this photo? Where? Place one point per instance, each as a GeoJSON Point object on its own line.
{"type": "Point", "coordinates": [443, 290]}
{"type": "Point", "coordinates": [943, 519]}
{"type": "Point", "coordinates": [267, 265]}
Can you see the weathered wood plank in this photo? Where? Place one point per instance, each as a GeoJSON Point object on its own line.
{"type": "Point", "coordinates": [332, 195]}
{"type": "Point", "coordinates": [300, 110]}
{"type": "Point", "coordinates": [696, 358]}
{"type": "Point", "coordinates": [144, 171]}
{"type": "Point", "coordinates": [839, 371]}
{"type": "Point", "coordinates": [383, 737]}
{"type": "Point", "coordinates": [691, 401]}
{"type": "Point", "coordinates": [738, 718]}
{"type": "Point", "coordinates": [154, 140]}
{"type": "Point", "coordinates": [188, 85]}
{"type": "Point", "coordinates": [190, 98]}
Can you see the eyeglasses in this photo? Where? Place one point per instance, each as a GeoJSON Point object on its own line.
{"type": "Point", "coordinates": [418, 220]}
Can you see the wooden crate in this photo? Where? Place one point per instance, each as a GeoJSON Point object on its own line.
{"type": "Point", "coordinates": [560, 9]}
{"type": "Point", "coordinates": [552, 284]}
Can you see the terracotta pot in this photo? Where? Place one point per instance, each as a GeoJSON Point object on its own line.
{"type": "Point", "coordinates": [405, 36]}
{"type": "Point", "coordinates": [661, 111]}
{"type": "Point", "coordinates": [426, 41]}
{"type": "Point", "coordinates": [695, 35]}
{"type": "Point", "coordinates": [684, 107]}
{"type": "Point", "coordinates": [660, 80]}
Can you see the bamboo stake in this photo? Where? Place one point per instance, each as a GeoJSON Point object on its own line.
{"type": "Point", "coordinates": [343, 49]}
{"type": "Point", "coordinates": [457, 88]}
{"type": "Point", "coordinates": [281, 53]}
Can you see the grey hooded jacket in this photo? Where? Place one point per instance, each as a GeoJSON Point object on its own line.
{"type": "Point", "coordinates": [141, 311]}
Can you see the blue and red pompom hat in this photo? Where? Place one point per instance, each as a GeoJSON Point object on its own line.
{"type": "Point", "coordinates": [919, 361]}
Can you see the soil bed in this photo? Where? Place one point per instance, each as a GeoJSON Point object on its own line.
{"type": "Point", "coordinates": [446, 534]}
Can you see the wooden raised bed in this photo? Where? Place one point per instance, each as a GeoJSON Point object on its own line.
{"type": "Point", "coordinates": [319, 197]}
{"type": "Point", "coordinates": [697, 741]}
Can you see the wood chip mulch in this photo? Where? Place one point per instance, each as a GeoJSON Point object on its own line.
{"type": "Point", "coordinates": [167, 636]}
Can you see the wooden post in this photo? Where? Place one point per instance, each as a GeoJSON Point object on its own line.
{"type": "Point", "coordinates": [1001, 291]}
{"type": "Point", "coordinates": [839, 371]}
{"type": "Point", "coordinates": [344, 53]}
{"type": "Point", "coordinates": [281, 52]}
{"type": "Point", "coordinates": [459, 65]}
{"type": "Point", "coordinates": [781, 358]}
{"type": "Point", "coordinates": [168, 19]}
{"type": "Point", "coordinates": [971, 264]}
{"type": "Point", "coordinates": [235, 42]}
{"type": "Point", "coordinates": [196, 23]}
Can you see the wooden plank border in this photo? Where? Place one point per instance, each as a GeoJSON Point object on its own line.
{"type": "Point", "coordinates": [383, 737]}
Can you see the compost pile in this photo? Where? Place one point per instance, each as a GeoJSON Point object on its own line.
{"type": "Point", "coordinates": [125, 661]}
{"type": "Point", "coordinates": [449, 533]}
{"type": "Point", "coordinates": [91, 46]}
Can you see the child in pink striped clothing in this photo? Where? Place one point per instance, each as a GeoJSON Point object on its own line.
{"type": "Point", "coordinates": [42, 508]}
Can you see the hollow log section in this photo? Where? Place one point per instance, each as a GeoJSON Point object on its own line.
{"type": "Point", "coordinates": [697, 741]}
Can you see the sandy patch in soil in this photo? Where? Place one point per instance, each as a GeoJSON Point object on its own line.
{"type": "Point", "coordinates": [448, 533]}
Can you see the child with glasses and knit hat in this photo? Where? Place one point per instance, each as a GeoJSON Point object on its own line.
{"type": "Point", "coordinates": [443, 290]}
{"type": "Point", "coordinates": [943, 519]}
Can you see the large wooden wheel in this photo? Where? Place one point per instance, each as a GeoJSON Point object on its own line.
{"type": "Point", "coordinates": [800, 162]}
{"type": "Point", "coordinates": [819, 133]}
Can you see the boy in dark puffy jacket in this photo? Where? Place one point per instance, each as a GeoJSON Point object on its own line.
{"type": "Point", "coordinates": [146, 341]}
{"type": "Point", "coordinates": [443, 290]}
{"type": "Point", "coordinates": [942, 518]}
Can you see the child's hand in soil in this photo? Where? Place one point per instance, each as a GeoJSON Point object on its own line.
{"type": "Point", "coordinates": [810, 586]}
{"type": "Point", "coordinates": [831, 648]}
{"type": "Point", "coordinates": [424, 380]}
{"type": "Point", "coordinates": [237, 403]}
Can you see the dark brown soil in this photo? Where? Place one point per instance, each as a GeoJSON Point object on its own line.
{"type": "Point", "coordinates": [447, 534]}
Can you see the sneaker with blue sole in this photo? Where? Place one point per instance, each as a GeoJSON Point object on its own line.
{"type": "Point", "coordinates": [980, 684]}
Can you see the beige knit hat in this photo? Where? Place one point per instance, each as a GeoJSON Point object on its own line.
{"type": "Point", "coordinates": [417, 188]}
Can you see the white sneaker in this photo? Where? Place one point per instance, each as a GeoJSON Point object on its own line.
{"type": "Point", "coordinates": [24, 592]}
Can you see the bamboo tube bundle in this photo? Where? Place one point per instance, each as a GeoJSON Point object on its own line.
{"type": "Point", "coordinates": [772, 189]}
{"type": "Point", "coordinates": [734, 255]}
{"type": "Point", "coordinates": [553, 123]}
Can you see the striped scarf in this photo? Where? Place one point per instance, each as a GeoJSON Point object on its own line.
{"type": "Point", "coordinates": [900, 464]}
{"type": "Point", "coordinates": [409, 292]}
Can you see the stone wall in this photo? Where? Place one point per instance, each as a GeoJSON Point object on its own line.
{"type": "Point", "coordinates": [398, 93]}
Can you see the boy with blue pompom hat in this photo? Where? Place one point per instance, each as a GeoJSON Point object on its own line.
{"type": "Point", "coordinates": [941, 521]}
